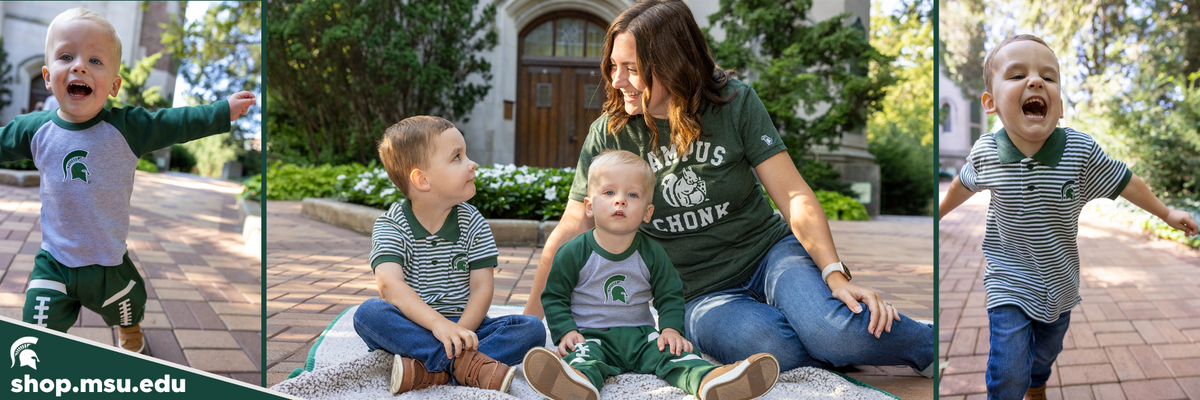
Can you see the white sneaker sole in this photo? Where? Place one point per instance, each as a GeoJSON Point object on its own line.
{"type": "Point", "coordinates": [397, 375]}
{"type": "Point", "coordinates": [552, 377]}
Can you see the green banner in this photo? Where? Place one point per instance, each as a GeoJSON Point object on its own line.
{"type": "Point", "coordinates": [49, 364]}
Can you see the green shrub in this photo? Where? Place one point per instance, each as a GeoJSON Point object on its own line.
{"type": "Point", "coordinates": [841, 207]}
{"type": "Point", "coordinates": [22, 165]}
{"type": "Point", "coordinates": [293, 182]}
{"type": "Point", "coordinates": [526, 192]}
{"type": "Point", "coordinates": [146, 165]}
{"type": "Point", "coordinates": [1123, 210]}
{"type": "Point", "coordinates": [182, 160]}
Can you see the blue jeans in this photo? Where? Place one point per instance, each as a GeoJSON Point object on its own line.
{"type": "Point", "coordinates": [505, 339]}
{"type": "Point", "coordinates": [787, 310]}
{"type": "Point", "coordinates": [1022, 351]}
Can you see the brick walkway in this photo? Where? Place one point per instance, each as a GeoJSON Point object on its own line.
{"type": "Point", "coordinates": [184, 237]}
{"type": "Point", "coordinates": [1134, 336]}
{"type": "Point", "coordinates": [315, 271]}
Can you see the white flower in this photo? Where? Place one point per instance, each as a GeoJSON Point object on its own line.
{"type": "Point", "coordinates": [340, 177]}
{"type": "Point", "coordinates": [381, 173]}
{"type": "Point", "coordinates": [494, 185]}
{"type": "Point", "coordinates": [388, 191]}
{"type": "Point", "coordinates": [555, 179]}
{"type": "Point", "coordinates": [551, 194]}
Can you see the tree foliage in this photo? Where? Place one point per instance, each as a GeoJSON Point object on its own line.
{"type": "Point", "coordinates": [961, 39]}
{"type": "Point", "coordinates": [220, 55]}
{"type": "Point", "coordinates": [6, 77]}
{"type": "Point", "coordinates": [133, 92]}
{"type": "Point", "coordinates": [342, 71]}
{"type": "Point", "coordinates": [900, 134]}
{"type": "Point", "coordinates": [817, 79]}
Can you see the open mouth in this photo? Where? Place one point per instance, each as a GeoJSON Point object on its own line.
{"type": "Point", "coordinates": [78, 90]}
{"type": "Point", "coordinates": [619, 213]}
{"type": "Point", "coordinates": [629, 95]}
{"type": "Point", "coordinates": [1034, 107]}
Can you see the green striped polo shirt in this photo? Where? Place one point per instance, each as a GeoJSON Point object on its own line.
{"type": "Point", "coordinates": [436, 265]}
{"type": "Point", "coordinates": [1033, 218]}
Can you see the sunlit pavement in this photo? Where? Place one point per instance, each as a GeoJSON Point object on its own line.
{"type": "Point", "coordinates": [185, 239]}
{"type": "Point", "coordinates": [1135, 336]}
{"type": "Point", "coordinates": [315, 271]}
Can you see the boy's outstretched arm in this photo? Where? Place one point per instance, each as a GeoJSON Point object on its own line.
{"type": "Point", "coordinates": [957, 195]}
{"type": "Point", "coordinates": [1140, 195]}
{"type": "Point", "coordinates": [239, 104]}
{"type": "Point", "coordinates": [481, 296]}
{"type": "Point", "coordinates": [389, 277]}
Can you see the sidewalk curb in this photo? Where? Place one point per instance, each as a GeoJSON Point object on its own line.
{"type": "Point", "coordinates": [361, 219]}
{"type": "Point", "coordinates": [12, 177]}
{"type": "Point", "coordinates": [249, 216]}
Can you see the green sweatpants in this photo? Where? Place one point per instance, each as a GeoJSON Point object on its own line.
{"type": "Point", "coordinates": [613, 351]}
{"type": "Point", "coordinates": [56, 292]}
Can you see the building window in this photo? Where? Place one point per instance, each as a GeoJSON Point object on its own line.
{"type": "Point", "coordinates": [566, 37]}
{"type": "Point", "coordinates": [945, 117]}
{"type": "Point", "coordinates": [976, 111]}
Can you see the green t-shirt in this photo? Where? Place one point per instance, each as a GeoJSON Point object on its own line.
{"type": "Point", "coordinates": [709, 211]}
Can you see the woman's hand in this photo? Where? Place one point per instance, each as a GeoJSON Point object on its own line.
{"type": "Point", "coordinates": [882, 314]}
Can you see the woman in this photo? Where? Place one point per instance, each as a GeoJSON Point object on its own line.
{"type": "Point", "coordinates": [745, 271]}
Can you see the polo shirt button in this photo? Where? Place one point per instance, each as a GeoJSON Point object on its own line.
{"type": "Point", "coordinates": [1031, 187]}
{"type": "Point", "coordinates": [1030, 166]}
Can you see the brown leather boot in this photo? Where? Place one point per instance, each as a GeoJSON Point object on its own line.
{"type": "Point", "coordinates": [410, 374]}
{"type": "Point", "coordinates": [550, 376]}
{"type": "Point", "coordinates": [1037, 393]}
{"type": "Point", "coordinates": [476, 369]}
{"type": "Point", "coordinates": [130, 338]}
{"type": "Point", "coordinates": [744, 380]}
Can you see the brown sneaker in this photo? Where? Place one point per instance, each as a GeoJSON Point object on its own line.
{"type": "Point", "coordinates": [476, 369]}
{"type": "Point", "coordinates": [130, 338]}
{"type": "Point", "coordinates": [1037, 393]}
{"type": "Point", "coordinates": [410, 374]}
{"type": "Point", "coordinates": [744, 380]}
{"type": "Point", "coordinates": [552, 377]}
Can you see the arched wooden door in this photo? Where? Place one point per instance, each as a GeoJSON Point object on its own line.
{"type": "Point", "coordinates": [558, 87]}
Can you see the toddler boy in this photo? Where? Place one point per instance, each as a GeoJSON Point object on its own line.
{"type": "Point", "coordinates": [597, 303]}
{"type": "Point", "coordinates": [86, 156]}
{"type": "Point", "coordinates": [432, 255]}
{"type": "Point", "coordinates": [1040, 177]}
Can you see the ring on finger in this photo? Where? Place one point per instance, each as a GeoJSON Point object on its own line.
{"type": "Point", "coordinates": [887, 303]}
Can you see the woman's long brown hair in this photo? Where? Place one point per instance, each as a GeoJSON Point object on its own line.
{"type": "Point", "coordinates": [672, 56]}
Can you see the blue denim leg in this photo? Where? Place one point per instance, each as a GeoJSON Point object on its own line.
{"type": "Point", "coordinates": [798, 320]}
{"type": "Point", "coordinates": [1022, 351]}
{"type": "Point", "coordinates": [506, 339]}
{"type": "Point", "coordinates": [382, 326]}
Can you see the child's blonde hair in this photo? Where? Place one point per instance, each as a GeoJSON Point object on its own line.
{"type": "Point", "coordinates": [989, 67]}
{"type": "Point", "coordinates": [82, 13]}
{"type": "Point", "coordinates": [406, 146]}
{"type": "Point", "coordinates": [615, 157]}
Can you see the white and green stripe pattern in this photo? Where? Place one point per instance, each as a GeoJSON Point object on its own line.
{"type": "Point", "coordinates": [437, 266]}
{"type": "Point", "coordinates": [1033, 218]}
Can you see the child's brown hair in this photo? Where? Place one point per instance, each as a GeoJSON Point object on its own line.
{"type": "Point", "coordinates": [989, 67]}
{"type": "Point", "coordinates": [406, 146]}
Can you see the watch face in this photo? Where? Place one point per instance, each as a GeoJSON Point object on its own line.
{"type": "Point", "coordinates": [846, 270]}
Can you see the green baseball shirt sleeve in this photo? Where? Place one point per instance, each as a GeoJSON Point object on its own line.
{"type": "Point", "coordinates": [668, 288]}
{"type": "Point", "coordinates": [17, 136]}
{"type": "Point", "coordinates": [556, 297]}
{"type": "Point", "coordinates": [146, 131]}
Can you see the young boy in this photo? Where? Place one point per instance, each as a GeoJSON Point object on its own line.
{"type": "Point", "coordinates": [87, 156]}
{"type": "Point", "coordinates": [597, 303]}
{"type": "Point", "coordinates": [1040, 176]}
{"type": "Point", "coordinates": [432, 255]}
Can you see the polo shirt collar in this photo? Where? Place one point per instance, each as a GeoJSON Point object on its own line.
{"type": "Point", "coordinates": [449, 229]}
{"type": "Point", "coordinates": [1050, 153]}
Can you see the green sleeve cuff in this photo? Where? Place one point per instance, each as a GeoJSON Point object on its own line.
{"type": "Point", "coordinates": [485, 262]}
{"type": "Point", "coordinates": [385, 258]}
{"type": "Point", "coordinates": [1121, 186]}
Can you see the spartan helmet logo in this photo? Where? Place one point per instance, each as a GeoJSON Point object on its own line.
{"type": "Point", "coordinates": [613, 291]}
{"type": "Point", "coordinates": [21, 350]}
{"type": "Point", "coordinates": [684, 192]}
{"type": "Point", "coordinates": [73, 167]}
{"type": "Point", "coordinates": [459, 262]}
{"type": "Point", "coordinates": [1068, 190]}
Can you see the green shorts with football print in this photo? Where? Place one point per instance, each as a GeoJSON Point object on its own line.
{"type": "Point", "coordinates": [56, 292]}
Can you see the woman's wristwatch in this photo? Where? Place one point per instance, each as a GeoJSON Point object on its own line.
{"type": "Point", "coordinates": [835, 267]}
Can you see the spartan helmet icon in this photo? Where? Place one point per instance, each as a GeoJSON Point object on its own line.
{"type": "Point", "coordinates": [21, 350]}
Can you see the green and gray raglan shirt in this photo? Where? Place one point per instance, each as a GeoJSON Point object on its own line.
{"type": "Point", "coordinates": [709, 211]}
{"type": "Point", "coordinates": [436, 265]}
{"type": "Point", "coordinates": [1033, 218]}
{"type": "Point", "coordinates": [87, 171]}
{"type": "Point", "coordinates": [590, 288]}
